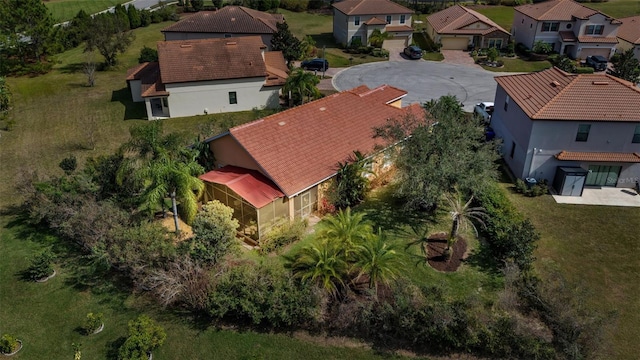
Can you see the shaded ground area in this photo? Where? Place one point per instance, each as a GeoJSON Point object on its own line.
{"type": "Point", "coordinates": [436, 257]}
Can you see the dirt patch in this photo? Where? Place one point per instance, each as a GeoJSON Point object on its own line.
{"type": "Point", "coordinates": [435, 250]}
{"type": "Point", "coordinates": [167, 222]}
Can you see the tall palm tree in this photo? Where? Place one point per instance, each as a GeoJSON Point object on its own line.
{"type": "Point", "coordinates": [379, 259]}
{"type": "Point", "coordinates": [323, 263]}
{"type": "Point", "coordinates": [177, 178]}
{"type": "Point", "coordinates": [302, 83]}
{"type": "Point", "coordinates": [462, 215]}
{"type": "Point", "coordinates": [346, 228]}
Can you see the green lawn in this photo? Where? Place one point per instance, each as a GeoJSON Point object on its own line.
{"type": "Point", "coordinates": [594, 246]}
{"type": "Point", "coordinates": [501, 15]}
{"type": "Point", "coordinates": [63, 10]}
{"type": "Point", "coordinates": [519, 65]}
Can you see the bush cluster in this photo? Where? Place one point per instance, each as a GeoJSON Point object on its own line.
{"type": "Point", "coordinates": [540, 188]}
{"type": "Point", "coordinates": [8, 344]}
{"type": "Point", "coordinates": [282, 234]}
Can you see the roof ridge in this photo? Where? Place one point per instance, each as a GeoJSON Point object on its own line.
{"type": "Point", "coordinates": [629, 84]}
{"type": "Point", "coordinates": [564, 89]}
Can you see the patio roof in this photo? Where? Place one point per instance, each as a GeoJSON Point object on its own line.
{"type": "Point", "coordinates": [598, 156]}
{"type": "Point", "coordinates": [249, 184]}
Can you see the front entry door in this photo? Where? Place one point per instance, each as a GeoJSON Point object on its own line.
{"type": "Point", "coordinates": [603, 175]}
{"type": "Point", "coordinates": [305, 202]}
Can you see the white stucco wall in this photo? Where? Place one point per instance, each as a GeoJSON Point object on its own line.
{"type": "Point", "coordinates": [524, 29]}
{"type": "Point", "coordinates": [344, 27]}
{"type": "Point", "coordinates": [340, 27]}
{"type": "Point", "coordinates": [187, 99]}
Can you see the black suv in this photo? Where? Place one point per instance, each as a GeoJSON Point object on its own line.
{"type": "Point", "coordinates": [597, 62]}
{"type": "Point", "coordinates": [413, 52]}
{"type": "Point", "coordinates": [315, 64]}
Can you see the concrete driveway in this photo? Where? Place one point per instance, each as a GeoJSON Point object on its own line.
{"type": "Point", "coordinates": [423, 80]}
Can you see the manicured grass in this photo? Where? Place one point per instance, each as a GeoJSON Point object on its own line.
{"type": "Point", "coordinates": [597, 247]}
{"type": "Point", "coordinates": [617, 8]}
{"type": "Point", "coordinates": [63, 10]}
{"type": "Point", "coordinates": [501, 15]}
{"type": "Point", "coordinates": [519, 65]}
{"type": "Point", "coordinates": [433, 56]}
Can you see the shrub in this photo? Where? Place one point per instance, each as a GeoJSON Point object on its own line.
{"type": "Point", "coordinates": [148, 54]}
{"type": "Point", "coordinates": [215, 232]}
{"type": "Point", "coordinates": [377, 52]}
{"type": "Point", "coordinates": [144, 336]}
{"type": "Point", "coordinates": [294, 5]}
{"type": "Point", "coordinates": [68, 164]}
{"type": "Point", "coordinates": [41, 265]}
{"type": "Point", "coordinates": [584, 70]}
{"type": "Point", "coordinates": [541, 47]}
{"type": "Point", "coordinates": [282, 234]}
{"type": "Point", "coordinates": [8, 344]}
{"type": "Point", "coordinates": [92, 322]}
{"type": "Point", "coordinates": [492, 54]}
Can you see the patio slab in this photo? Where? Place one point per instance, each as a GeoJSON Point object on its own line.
{"type": "Point", "coordinates": [607, 196]}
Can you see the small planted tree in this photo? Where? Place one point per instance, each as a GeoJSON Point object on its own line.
{"type": "Point", "coordinates": [492, 54]}
{"type": "Point", "coordinates": [462, 214]}
{"type": "Point", "coordinates": [93, 322]}
{"type": "Point", "coordinates": [541, 47]}
{"type": "Point", "coordinates": [145, 335]}
{"type": "Point", "coordinates": [41, 266]}
{"type": "Point", "coordinates": [9, 344]}
{"type": "Point", "coordinates": [351, 183]}
{"type": "Point", "coordinates": [215, 232]}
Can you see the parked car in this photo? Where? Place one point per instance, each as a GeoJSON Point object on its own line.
{"type": "Point", "coordinates": [315, 64]}
{"type": "Point", "coordinates": [484, 109]}
{"type": "Point", "coordinates": [597, 62]}
{"type": "Point", "coordinates": [413, 52]}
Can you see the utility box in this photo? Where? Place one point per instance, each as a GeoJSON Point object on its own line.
{"type": "Point", "coordinates": [569, 181]}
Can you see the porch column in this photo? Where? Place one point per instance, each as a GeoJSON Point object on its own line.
{"type": "Point", "coordinates": [147, 103]}
{"type": "Point", "coordinates": [292, 209]}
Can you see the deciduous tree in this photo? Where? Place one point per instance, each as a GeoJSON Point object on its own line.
{"type": "Point", "coordinates": [110, 35]}
{"type": "Point", "coordinates": [626, 66]}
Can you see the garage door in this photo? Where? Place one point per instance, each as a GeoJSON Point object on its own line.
{"type": "Point", "coordinates": [595, 51]}
{"type": "Point", "coordinates": [395, 43]}
{"type": "Point", "coordinates": [450, 43]}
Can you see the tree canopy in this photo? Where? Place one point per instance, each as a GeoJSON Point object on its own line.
{"type": "Point", "coordinates": [283, 40]}
{"type": "Point", "coordinates": [626, 66]}
{"type": "Point", "coordinates": [110, 36]}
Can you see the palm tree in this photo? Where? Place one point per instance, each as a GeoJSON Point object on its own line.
{"type": "Point", "coordinates": [377, 38]}
{"type": "Point", "coordinates": [352, 183]}
{"type": "Point", "coordinates": [346, 228]}
{"type": "Point", "coordinates": [323, 263]}
{"type": "Point", "coordinates": [462, 215]}
{"type": "Point", "coordinates": [177, 178]}
{"type": "Point", "coordinates": [380, 260]}
{"type": "Point", "coordinates": [302, 83]}
{"type": "Point", "coordinates": [418, 235]}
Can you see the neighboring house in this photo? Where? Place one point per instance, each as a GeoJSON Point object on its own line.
{"type": "Point", "coordinates": [458, 28]}
{"type": "Point", "coordinates": [629, 35]}
{"type": "Point", "coordinates": [277, 167]}
{"type": "Point", "coordinates": [357, 19]}
{"type": "Point", "coordinates": [552, 119]}
{"type": "Point", "coordinates": [569, 27]}
{"type": "Point", "coordinates": [230, 21]}
{"type": "Point", "coordinates": [196, 77]}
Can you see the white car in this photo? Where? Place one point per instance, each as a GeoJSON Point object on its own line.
{"type": "Point", "coordinates": [484, 109]}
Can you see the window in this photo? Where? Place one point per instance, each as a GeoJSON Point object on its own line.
{"type": "Point", "coordinates": [356, 20]}
{"type": "Point", "coordinates": [233, 97]}
{"type": "Point", "coordinates": [513, 149]}
{"type": "Point", "coordinates": [388, 19]}
{"type": "Point", "coordinates": [495, 43]}
{"type": "Point", "coordinates": [550, 26]}
{"type": "Point", "coordinates": [636, 135]}
{"type": "Point", "coordinates": [165, 102]}
{"type": "Point", "coordinates": [594, 30]}
{"type": "Point", "coordinates": [506, 103]}
{"type": "Point", "coordinates": [402, 19]}
{"type": "Point", "coordinates": [583, 132]}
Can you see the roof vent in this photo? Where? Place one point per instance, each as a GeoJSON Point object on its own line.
{"type": "Point", "coordinates": [281, 123]}
{"type": "Point", "coordinates": [323, 108]}
{"type": "Point", "coordinates": [185, 46]}
{"type": "Point", "coordinates": [232, 43]}
{"type": "Point", "coordinates": [555, 83]}
{"type": "Point", "coordinates": [600, 83]}
{"type": "Point", "coordinates": [233, 19]}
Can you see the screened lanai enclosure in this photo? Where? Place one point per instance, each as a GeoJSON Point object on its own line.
{"type": "Point", "coordinates": [256, 201]}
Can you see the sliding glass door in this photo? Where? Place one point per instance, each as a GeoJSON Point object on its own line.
{"type": "Point", "coordinates": [603, 175]}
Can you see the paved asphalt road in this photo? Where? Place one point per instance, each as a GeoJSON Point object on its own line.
{"type": "Point", "coordinates": [423, 80]}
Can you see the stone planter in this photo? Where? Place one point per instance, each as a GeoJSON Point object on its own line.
{"type": "Point", "coordinates": [99, 329]}
{"type": "Point", "coordinates": [45, 279]}
{"type": "Point", "coordinates": [15, 352]}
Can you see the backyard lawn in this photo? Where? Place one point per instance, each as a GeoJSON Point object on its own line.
{"type": "Point", "coordinates": [596, 247]}
{"type": "Point", "coordinates": [64, 10]}
{"type": "Point", "coordinates": [519, 65]}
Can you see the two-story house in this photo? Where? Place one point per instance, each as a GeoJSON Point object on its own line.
{"type": "Point", "coordinates": [629, 35]}
{"type": "Point", "coordinates": [569, 27]}
{"type": "Point", "coordinates": [194, 77]}
{"type": "Point", "coordinates": [552, 119]}
{"type": "Point", "coordinates": [229, 21]}
{"type": "Point", "coordinates": [357, 19]}
{"type": "Point", "coordinates": [458, 27]}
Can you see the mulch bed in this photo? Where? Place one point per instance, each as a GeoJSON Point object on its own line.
{"type": "Point", "coordinates": [435, 251]}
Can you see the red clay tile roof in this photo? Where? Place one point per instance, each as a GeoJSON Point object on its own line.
{"type": "Point", "coordinates": [559, 10]}
{"type": "Point", "coordinates": [375, 21]}
{"type": "Point", "coordinates": [599, 156]}
{"type": "Point", "coordinates": [568, 36]}
{"type": "Point", "coordinates": [300, 147]}
{"type": "Point", "coordinates": [229, 19]}
{"type": "Point", "coordinates": [453, 19]}
{"type": "Point", "coordinates": [149, 75]}
{"type": "Point", "coordinates": [252, 186]}
{"type": "Point", "coordinates": [598, 39]}
{"type": "Point", "coordinates": [211, 59]}
{"type": "Point", "coordinates": [630, 29]}
{"type": "Point", "coordinates": [553, 94]}
{"type": "Point", "coordinates": [371, 7]}
{"type": "Point", "coordinates": [277, 71]}
{"type": "Point", "coordinates": [399, 28]}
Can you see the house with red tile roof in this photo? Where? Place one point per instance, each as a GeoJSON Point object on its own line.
{"type": "Point", "coordinates": [568, 26]}
{"type": "Point", "coordinates": [629, 35]}
{"type": "Point", "coordinates": [458, 27]}
{"type": "Point", "coordinates": [227, 22]}
{"type": "Point", "coordinates": [552, 119]}
{"type": "Point", "coordinates": [357, 19]}
{"type": "Point", "coordinates": [194, 77]}
{"type": "Point", "coordinates": [277, 166]}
